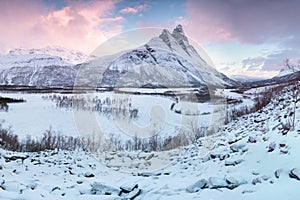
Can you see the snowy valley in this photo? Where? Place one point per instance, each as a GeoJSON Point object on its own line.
{"type": "Point", "coordinates": [253, 157]}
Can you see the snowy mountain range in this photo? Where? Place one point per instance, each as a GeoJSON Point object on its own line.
{"type": "Point", "coordinates": [49, 66]}
{"type": "Point", "coordinates": [244, 79]}
{"type": "Point", "coordinates": [66, 55]}
{"type": "Point", "coordinates": [165, 61]}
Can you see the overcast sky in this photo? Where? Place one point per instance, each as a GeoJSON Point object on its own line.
{"type": "Point", "coordinates": [249, 37]}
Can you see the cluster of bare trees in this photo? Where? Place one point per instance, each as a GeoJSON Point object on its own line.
{"type": "Point", "coordinates": [260, 101]}
{"type": "Point", "coordinates": [161, 143]}
{"type": "Point", "coordinates": [50, 140]}
{"type": "Point", "coordinates": [117, 107]}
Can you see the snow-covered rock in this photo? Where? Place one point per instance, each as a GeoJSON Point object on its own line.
{"type": "Point", "coordinates": [201, 184]}
{"type": "Point", "coordinates": [215, 183]}
{"type": "Point", "coordinates": [103, 189]}
{"type": "Point", "coordinates": [295, 173]}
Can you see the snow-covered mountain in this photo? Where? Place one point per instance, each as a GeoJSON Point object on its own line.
{"type": "Point", "coordinates": [165, 61]}
{"type": "Point", "coordinates": [244, 78]}
{"type": "Point", "coordinates": [50, 66]}
{"type": "Point", "coordinates": [29, 60]}
{"type": "Point", "coordinates": [66, 55]}
{"type": "Point", "coordinates": [275, 80]}
{"type": "Point", "coordinates": [288, 71]}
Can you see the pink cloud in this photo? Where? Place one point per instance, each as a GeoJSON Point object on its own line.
{"type": "Point", "coordinates": [133, 10]}
{"type": "Point", "coordinates": [79, 25]}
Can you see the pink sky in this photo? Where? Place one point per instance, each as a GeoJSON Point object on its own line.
{"type": "Point", "coordinates": [234, 33]}
{"type": "Point", "coordinates": [77, 26]}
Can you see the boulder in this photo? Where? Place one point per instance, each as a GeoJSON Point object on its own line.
{"type": "Point", "coordinates": [256, 181]}
{"type": "Point", "coordinates": [102, 189]}
{"type": "Point", "coordinates": [271, 147]}
{"type": "Point", "coordinates": [126, 188]}
{"type": "Point", "coordinates": [224, 155]}
{"type": "Point", "coordinates": [295, 174]}
{"type": "Point", "coordinates": [201, 184]}
{"type": "Point", "coordinates": [215, 183]}
{"type": "Point", "coordinates": [32, 185]}
{"type": "Point", "coordinates": [133, 194]}
{"type": "Point", "coordinates": [265, 177]}
{"type": "Point", "coordinates": [284, 151]}
{"type": "Point", "coordinates": [251, 139]}
{"type": "Point", "coordinates": [214, 155]}
{"type": "Point", "coordinates": [277, 173]}
{"type": "Point", "coordinates": [234, 183]}
{"type": "Point", "coordinates": [231, 162]}
{"type": "Point", "coordinates": [238, 147]}
{"type": "Point", "coordinates": [88, 175]}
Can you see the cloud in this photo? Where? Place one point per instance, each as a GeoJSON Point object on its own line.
{"type": "Point", "coordinates": [80, 25]}
{"type": "Point", "coordinates": [254, 21]}
{"type": "Point", "coordinates": [133, 10]}
{"type": "Point", "coordinates": [128, 10]}
{"type": "Point", "coordinates": [237, 69]}
{"type": "Point", "coordinates": [275, 61]}
{"type": "Point", "coordinates": [255, 63]}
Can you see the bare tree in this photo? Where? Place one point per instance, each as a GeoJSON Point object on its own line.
{"type": "Point", "coordinates": [295, 92]}
{"type": "Point", "coordinates": [296, 98]}
{"type": "Point", "coordinates": [287, 63]}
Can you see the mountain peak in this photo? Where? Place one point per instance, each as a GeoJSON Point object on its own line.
{"type": "Point", "coordinates": [69, 56]}
{"type": "Point", "coordinates": [178, 29]}
{"type": "Point", "coordinates": [177, 41]}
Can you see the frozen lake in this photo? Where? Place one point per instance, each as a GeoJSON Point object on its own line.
{"type": "Point", "coordinates": [157, 114]}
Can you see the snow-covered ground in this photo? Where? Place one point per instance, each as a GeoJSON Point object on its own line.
{"type": "Point", "coordinates": [253, 157]}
